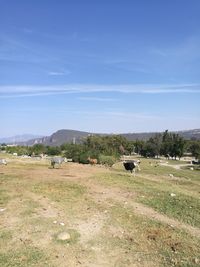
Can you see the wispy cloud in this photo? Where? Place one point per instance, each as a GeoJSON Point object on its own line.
{"type": "Point", "coordinates": [187, 49]}
{"type": "Point", "coordinates": [99, 99]}
{"type": "Point", "coordinates": [15, 50]}
{"type": "Point", "coordinates": [31, 90]}
{"type": "Point", "coordinates": [59, 73]}
{"type": "Point", "coordinates": [127, 65]}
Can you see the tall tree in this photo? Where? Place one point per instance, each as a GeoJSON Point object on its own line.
{"type": "Point", "coordinates": [194, 148]}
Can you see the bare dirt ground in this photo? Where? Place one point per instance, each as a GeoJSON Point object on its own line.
{"type": "Point", "coordinates": [38, 211]}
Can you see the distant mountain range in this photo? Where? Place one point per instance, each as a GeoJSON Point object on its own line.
{"type": "Point", "coordinates": [18, 138]}
{"type": "Point", "coordinates": [60, 137]}
{"type": "Point", "coordinates": [187, 134]}
{"type": "Point", "coordinates": [71, 136]}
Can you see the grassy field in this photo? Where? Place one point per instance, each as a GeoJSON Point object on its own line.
{"type": "Point", "coordinates": [111, 218]}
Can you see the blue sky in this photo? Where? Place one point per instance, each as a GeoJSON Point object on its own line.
{"type": "Point", "coordinates": [99, 65]}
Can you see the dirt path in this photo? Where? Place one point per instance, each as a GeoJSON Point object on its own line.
{"type": "Point", "coordinates": [175, 166]}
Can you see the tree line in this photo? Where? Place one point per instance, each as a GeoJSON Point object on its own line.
{"type": "Point", "coordinates": [107, 149]}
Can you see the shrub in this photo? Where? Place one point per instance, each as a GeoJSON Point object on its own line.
{"type": "Point", "coordinates": [107, 160]}
{"type": "Point", "coordinates": [83, 158]}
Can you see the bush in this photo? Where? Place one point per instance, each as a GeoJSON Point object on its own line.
{"type": "Point", "coordinates": [53, 151]}
{"type": "Point", "coordinates": [83, 158]}
{"type": "Point", "coordinates": [107, 160]}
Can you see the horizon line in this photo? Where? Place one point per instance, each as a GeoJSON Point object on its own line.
{"type": "Point", "coordinates": [107, 133]}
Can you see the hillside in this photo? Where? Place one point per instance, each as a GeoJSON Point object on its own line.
{"type": "Point", "coordinates": [60, 137]}
{"type": "Point", "coordinates": [19, 138]}
{"type": "Point", "coordinates": [72, 136]}
{"type": "Point", "coordinates": [189, 134]}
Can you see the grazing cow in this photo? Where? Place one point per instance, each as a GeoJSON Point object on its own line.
{"type": "Point", "coordinates": [195, 162]}
{"type": "Point", "coordinates": [131, 165]}
{"type": "Point", "coordinates": [92, 161]}
{"type": "Point", "coordinates": [57, 160]}
{"type": "Point", "coordinates": [3, 161]}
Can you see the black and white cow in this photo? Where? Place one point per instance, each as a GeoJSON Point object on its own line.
{"type": "Point", "coordinates": [57, 160]}
{"type": "Point", "coordinates": [195, 162]}
{"type": "Point", "coordinates": [132, 165]}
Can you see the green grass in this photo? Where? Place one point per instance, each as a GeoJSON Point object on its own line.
{"type": "Point", "coordinates": [24, 257]}
{"type": "Point", "coordinates": [124, 239]}
{"type": "Point", "coordinates": [183, 207]}
{"type": "Point", "coordinates": [5, 235]}
{"type": "Point", "coordinates": [4, 197]}
{"type": "Point", "coordinates": [138, 239]}
{"type": "Point", "coordinates": [29, 207]}
{"type": "Point", "coordinates": [160, 170]}
{"type": "Point", "coordinates": [195, 167]}
{"type": "Point", "coordinates": [5, 238]}
{"type": "Point", "coordinates": [11, 187]}
{"type": "Point", "coordinates": [166, 170]}
{"type": "Point", "coordinates": [60, 191]}
{"type": "Point", "coordinates": [69, 196]}
{"type": "Point", "coordinates": [176, 162]}
{"type": "Point", "coordinates": [153, 239]}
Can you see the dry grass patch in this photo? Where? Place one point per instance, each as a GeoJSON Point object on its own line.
{"type": "Point", "coordinates": [95, 206]}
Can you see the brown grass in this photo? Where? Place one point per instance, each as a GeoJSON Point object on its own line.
{"type": "Point", "coordinates": [98, 207]}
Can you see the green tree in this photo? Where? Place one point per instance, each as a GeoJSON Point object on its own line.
{"type": "Point", "coordinates": [53, 150]}
{"type": "Point", "coordinates": [194, 148]}
{"type": "Point", "coordinates": [139, 146]}
{"type": "Point", "coordinates": [166, 145]}
{"type": "Point", "coordinates": [178, 146]}
{"type": "Point", "coordinates": [38, 149]}
{"type": "Point", "coordinates": [107, 145]}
